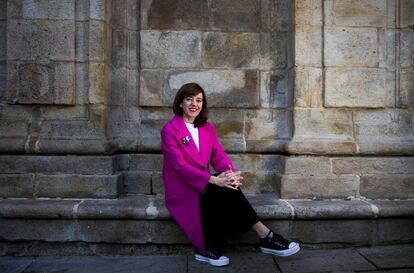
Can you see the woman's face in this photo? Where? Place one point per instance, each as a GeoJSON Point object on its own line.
{"type": "Point", "coordinates": [192, 107]}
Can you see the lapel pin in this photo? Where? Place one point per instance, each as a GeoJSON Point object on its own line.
{"type": "Point", "coordinates": [185, 140]}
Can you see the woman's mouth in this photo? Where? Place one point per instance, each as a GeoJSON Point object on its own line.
{"type": "Point", "coordinates": [193, 109]}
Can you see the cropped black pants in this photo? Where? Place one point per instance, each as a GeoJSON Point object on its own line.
{"type": "Point", "coordinates": [224, 212]}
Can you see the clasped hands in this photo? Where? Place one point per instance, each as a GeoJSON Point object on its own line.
{"type": "Point", "coordinates": [228, 179]}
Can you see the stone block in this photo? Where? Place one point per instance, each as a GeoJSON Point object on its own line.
{"type": "Point", "coordinates": [38, 208]}
{"type": "Point", "coordinates": [387, 48]}
{"type": "Point", "coordinates": [59, 129]}
{"type": "Point", "coordinates": [235, 15]}
{"type": "Point", "coordinates": [406, 13]}
{"type": "Point", "coordinates": [320, 146]}
{"type": "Point", "coordinates": [276, 88]}
{"type": "Point", "coordinates": [387, 186]}
{"type": "Point", "coordinates": [66, 113]}
{"type": "Point", "coordinates": [145, 162]}
{"type": "Point", "coordinates": [118, 82]}
{"type": "Point", "coordinates": [307, 165]}
{"type": "Point", "coordinates": [3, 9]}
{"type": "Point", "coordinates": [176, 14]}
{"type": "Point", "coordinates": [395, 230]}
{"type": "Point", "coordinates": [152, 121]}
{"type": "Point", "coordinates": [274, 50]}
{"type": "Point", "coordinates": [17, 164]}
{"type": "Point", "coordinates": [333, 231]}
{"type": "Point", "coordinates": [332, 260]}
{"type": "Point", "coordinates": [151, 87]}
{"type": "Point", "coordinates": [15, 185]}
{"type": "Point", "coordinates": [382, 124]}
{"type": "Point", "coordinates": [308, 87]}
{"type": "Point", "coordinates": [97, 41]}
{"type": "Point", "coordinates": [119, 48]}
{"type": "Point", "coordinates": [82, 83]}
{"type": "Point", "coordinates": [257, 162]}
{"type": "Point", "coordinates": [308, 45]}
{"type": "Point", "coordinates": [97, 9]}
{"type": "Point", "coordinates": [320, 186]}
{"type": "Point", "coordinates": [3, 81]}
{"type": "Point", "coordinates": [350, 47]}
{"type": "Point", "coordinates": [33, 40]}
{"type": "Point", "coordinates": [97, 83]}
{"type": "Point", "coordinates": [82, 41]}
{"type": "Point", "coordinates": [263, 129]}
{"type": "Point", "coordinates": [229, 125]}
{"type": "Point", "coordinates": [82, 10]}
{"type": "Point", "coordinates": [371, 13]}
{"type": "Point", "coordinates": [77, 186]}
{"type": "Point", "coordinates": [133, 61]}
{"type": "Point", "coordinates": [166, 232]}
{"type": "Point", "coordinates": [14, 128]}
{"type": "Point", "coordinates": [3, 42]}
{"type": "Point", "coordinates": [406, 58]}
{"type": "Point", "coordinates": [356, 87]}
{"type": "Point", "coordinates": [308, 12]}
{"type": "Point", "coordinates": [157, 183]}
{"type": "Point", "coordinates": [224, 88]}
{"type": "Point", "coordinates": [325, 123]}
{"type": "Point", "coordinates": [260, 182]}
{"type": "Point", "coordinates": [280, 12]}
{"type": "Point", "coordinates": [170, 49]}
{"type": "Point", "coordinates": [394, 208]}
{"type": "Point", "coordinates": [45, 9]}
{"type": "Point", "coordinates": [231, 50]}
{"type": "Point", "coordinates": [373, 165]}
{"type": "Point", "coordinates": [137, 182]}
{"type": "Point", "coordinates": [405, 97]}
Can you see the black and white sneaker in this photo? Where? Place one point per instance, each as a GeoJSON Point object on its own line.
{"type": "Point", "coordinates": [212, 258]}
{"type": "Point", "coordinates": [277, 245]}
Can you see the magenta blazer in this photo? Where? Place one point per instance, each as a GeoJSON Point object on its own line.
{"type": "Point", "coordinates": [186, 173]}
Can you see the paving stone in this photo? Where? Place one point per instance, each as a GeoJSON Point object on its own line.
{"type": "Point", "coordinates": [14, 264]}
{"type": "Point", "coordinates": [239, 262]}
{"type": "Point", "coordinates": [109, 264]}
{"type": "Point", "coordinates": [398, 256]}
{"type": "Point", "coordinates": [324, 261]}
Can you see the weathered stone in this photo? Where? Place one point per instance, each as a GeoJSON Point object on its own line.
{"type": "Point", "coordinates": [33, 40]}
{"type": "Point", "coordinates": [394, 208]}
{"type": "Point", "coordinates": [14, 128]}
{"type": "Point", "coordinates": [350, 47]}
{"type": "Point", "coordinates": [308, 87]}
{"type": "Point", "coordinates": [229, 125]}
{"type": "Point", "coordinates": [3, 81]}
{"type": "Point", "coordinates": [97, 9]}
{"type": "Point", "coordinates": [3, 42]}
{"type": "Point", "coordinates": [406, 13]}
{"type": "Point", "coordinates": [15, 185]}
{"type": "Point", "coordinates": [118, 86]}
{"type": "Point", "coordinates": [387, 186]}
{"type": "Point", "coordinates": [356, 13]}
{"type": "Point", "coordinates": [77, 186]}
{"type": "Point", "coordinates": [133, 61]}
{"type": "Point", "coordinates": [166, 233]}
{"type": "Point", "coordinates": [232, 50]}
{"type": "Point", "coordinates": [406, 93]}
{"type": "Point", "coordinates": [395, 230]}
{"type": "Point", "coordinates": [55, 129]}
{"type": "Point", "coordinates": [307, 165]}
{"type": "Point", "coordinates": [308, 12]}
{"type": "Point", "coordinates": [97, 41]}
{"type": "Point", "coordinates": [265, 127]}
{"type": "Point", "coordinates": [308, 45]}
{"type": "Point", "coordinates": [176, 14]}
{"type": "Point", "coordinates": [137, 182]}
{"type": "Point", "coordinates": [406, 58]}
{"type": "Point", "coordinates": [67, 113]}
{"type": "Point", "coordinates": [151, 87]}
{"type": "Point", "coordinates": [145, 162]}
{"type": "Point", "coordinates": [333, 260]}
{"type": "Point", "coordinates": [257, 162]}
{"type": "Point", "coordinates": [93, 165]}
{"type": "Point", "coordinates": [119, 48]}
{"type": "Point", "coordinates": [38, 209]}
{"type": "Point", "coordinates": [333, 231]}
{"type": "Point", "coordinates": [157, 183]}
{"type": "Point", "coordinates": [82, 41]}
{"type": "Point", "coordinates": [281, 14]}
{"type": "Point", "coordinates": [387, 48]}
{"type": "Point", "coordinates": [152, 121]}
{"type": "Point", "coordinates": [3, 10]}
{"type": "Point", "coordinates": [274, 51]}
{"type": "Point", "coordinates": [382, 124]}
{"type": "Point", "coordinates": [224, 88]}
{"type": "Point", "coordinates": [260, 182]}
{"type": "Point", "coordinates": [326, 123]}
{"type": "Point", "coordinates": [170, 49]}
{"type": "Point", "coordinates": [356, 87]}
{"type": "Point", "coordinates": [320, 186]}
{"type": "Point", "coordinates": [97, 83]}
{"type": "Point", "coordinates": [44, 9]}
{"type": "Point", "coordinates": [233, 15]}
{"type": "Point", "coordinates": [276, 88]}
{"type": "Point", "coordinates": [320, 146]}
{"type": "Point", "coordinates": [390, 256]}
{"type": "Point", "coordinates": [373, 165]}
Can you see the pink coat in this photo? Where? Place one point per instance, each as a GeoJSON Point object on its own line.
{"type": "Point", "coordinates": [186, 173]}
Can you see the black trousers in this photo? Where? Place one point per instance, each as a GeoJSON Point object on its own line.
{"type": "Point", "coordinates": [223, 212]}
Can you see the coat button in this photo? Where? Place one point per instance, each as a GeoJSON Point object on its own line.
{"type": "Point", "coordinates": [202, 168]}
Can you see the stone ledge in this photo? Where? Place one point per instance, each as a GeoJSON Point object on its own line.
{"type": "Point", "coordinates": [145, 207]}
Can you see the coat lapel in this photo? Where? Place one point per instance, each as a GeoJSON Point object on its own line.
{"type": "Point", "coordinates": [182, 133]}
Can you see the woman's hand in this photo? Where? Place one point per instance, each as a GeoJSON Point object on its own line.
{"type": "Point", "coordinates": [227, 179]}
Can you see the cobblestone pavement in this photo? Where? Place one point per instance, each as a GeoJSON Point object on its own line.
{"type": "Point", "coordinates": [390, 259]}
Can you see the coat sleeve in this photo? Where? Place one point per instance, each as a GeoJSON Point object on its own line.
{"type": "Point", "coordinates": [218, 158]}
{"type": "Point", "coordinates": [191, 175]}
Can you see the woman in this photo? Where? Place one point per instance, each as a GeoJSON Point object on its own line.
{"type": "Point", "coordinates": [207, 207]}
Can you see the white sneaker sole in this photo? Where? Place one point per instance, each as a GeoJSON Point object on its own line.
{"type": "Point", "coordinates": [220, 262]}
{"type": "Point", "coordinates": [286, 252]}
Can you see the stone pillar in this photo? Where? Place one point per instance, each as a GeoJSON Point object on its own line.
{"type": "Point", "coordinates": [354, 77]}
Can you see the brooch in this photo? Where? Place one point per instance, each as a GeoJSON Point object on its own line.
{"type": "Point", "coordinates": [185, 140]}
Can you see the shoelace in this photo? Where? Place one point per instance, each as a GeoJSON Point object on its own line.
{"type": "Point", "coordinates": [279, 240]}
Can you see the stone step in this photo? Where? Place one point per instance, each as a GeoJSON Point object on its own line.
{"type": "Point", "coordinates": [143, 220]}
{"type": "Point", "coordinates": [31, 185]}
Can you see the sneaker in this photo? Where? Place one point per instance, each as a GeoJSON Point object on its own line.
{"type": "Point", "coordinates": [277, 245]}
{"type": "Point", "coordinates": [212, 258]}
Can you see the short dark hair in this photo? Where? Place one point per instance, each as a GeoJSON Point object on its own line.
{"type": "Point", "coordinates": [190, 90]}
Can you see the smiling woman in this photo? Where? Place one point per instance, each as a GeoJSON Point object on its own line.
{"type": "Point", "coordinates": [207, 207]}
